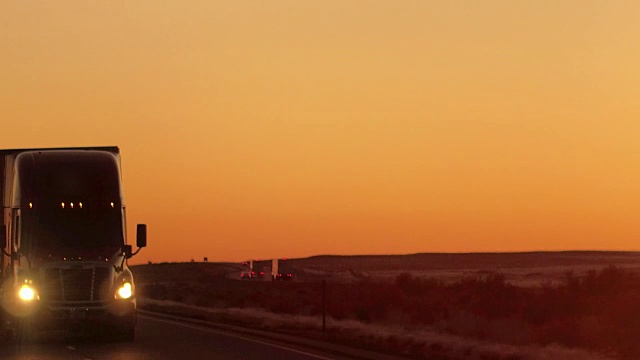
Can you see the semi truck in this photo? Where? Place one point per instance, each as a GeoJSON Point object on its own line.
{"type": "Point", "coordinates": [64, 243]}
{"type": "Point", "coordinates": [257, 268]}
{"type": "Point", "coordinates": [283, 270]}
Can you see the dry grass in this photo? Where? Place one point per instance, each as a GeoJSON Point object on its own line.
{"type": "Point", "coordinates": [446, 313]}
{"type": "Point", "coordinates": [418, 343]}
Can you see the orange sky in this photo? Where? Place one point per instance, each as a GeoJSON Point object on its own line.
{"type": "Point", "coordinates": [294, 128]}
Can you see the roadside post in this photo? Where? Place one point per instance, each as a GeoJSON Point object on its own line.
{"type": "Point", "coordinates": [324, 307]}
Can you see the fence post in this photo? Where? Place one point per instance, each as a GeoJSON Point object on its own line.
{"type": "Point", "coordinates": [324, 307]}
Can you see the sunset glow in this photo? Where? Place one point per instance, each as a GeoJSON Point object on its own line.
{"type": "Point", "coordinates": [297, 128]}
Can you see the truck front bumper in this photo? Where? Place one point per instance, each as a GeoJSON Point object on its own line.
{"type": "Point", "coordinates": [115, 313]}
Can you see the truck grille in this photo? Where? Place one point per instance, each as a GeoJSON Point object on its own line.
{"type": "Point", "coordinates": [75, 284]}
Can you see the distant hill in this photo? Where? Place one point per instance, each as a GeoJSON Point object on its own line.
{"type": "Point", "coordinates": [456, 261]}
{"type": "Point", "coordinates": [523, 268]}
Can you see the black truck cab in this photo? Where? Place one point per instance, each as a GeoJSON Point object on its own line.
{"type": "Point", "coordinates": [64, 242]}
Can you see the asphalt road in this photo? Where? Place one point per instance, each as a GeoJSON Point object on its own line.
{"type": "Point", "coordinates": [158, 339]}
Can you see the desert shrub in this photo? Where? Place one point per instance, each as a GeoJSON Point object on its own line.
{"type": "Point", "coordinates": [597, 310]}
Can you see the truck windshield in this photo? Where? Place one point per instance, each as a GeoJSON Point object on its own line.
{"type": "Point", "coordinates": [50, 183]}
{"type": "Point", "coordinates": [49, 230]}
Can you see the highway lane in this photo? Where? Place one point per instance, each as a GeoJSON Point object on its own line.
{"type": "Point", "coordinates": [159, 339]}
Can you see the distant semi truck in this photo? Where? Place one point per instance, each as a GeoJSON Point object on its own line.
{"type": "Point", "coordinates": [258, 268]}
{"type": "Point", "coordinates": [283, 270]}
{"type": "Point", "coordinates": [246, 271]}
{"type": "Point", "coordinates": [64, 243]}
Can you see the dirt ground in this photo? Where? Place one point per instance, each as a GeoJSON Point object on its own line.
{"type": "Point", "coordinates": [522, 269]}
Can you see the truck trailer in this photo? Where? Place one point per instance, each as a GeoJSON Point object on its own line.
{"type": "Point", "coordinates": [283, 271]}
{"type": "Point", "coordinates": [64, 243]}
{"type": "Point", "coordinates": [257, 269]}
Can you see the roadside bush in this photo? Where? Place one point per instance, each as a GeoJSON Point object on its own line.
{"type": "Point", "coordinates": [598, 310]}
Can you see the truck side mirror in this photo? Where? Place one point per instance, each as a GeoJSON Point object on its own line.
{"type": "Point", "coordinates": [3, 236]}
{"type": "Point", "coordinates": [141, 235]}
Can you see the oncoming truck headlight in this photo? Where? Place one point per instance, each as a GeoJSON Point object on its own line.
{"type": "Point", "coordinates": [125, 291]}
{"type": "Point", "coordinates": [26, 293]}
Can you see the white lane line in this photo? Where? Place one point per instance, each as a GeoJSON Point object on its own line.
{"type": "Point", "coordinates": [240, 337]}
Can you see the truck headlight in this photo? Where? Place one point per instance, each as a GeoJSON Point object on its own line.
{"type": "Point", "coordinates": [125, 291]}
{"type": "Point", "coordinates": [26, 293]}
